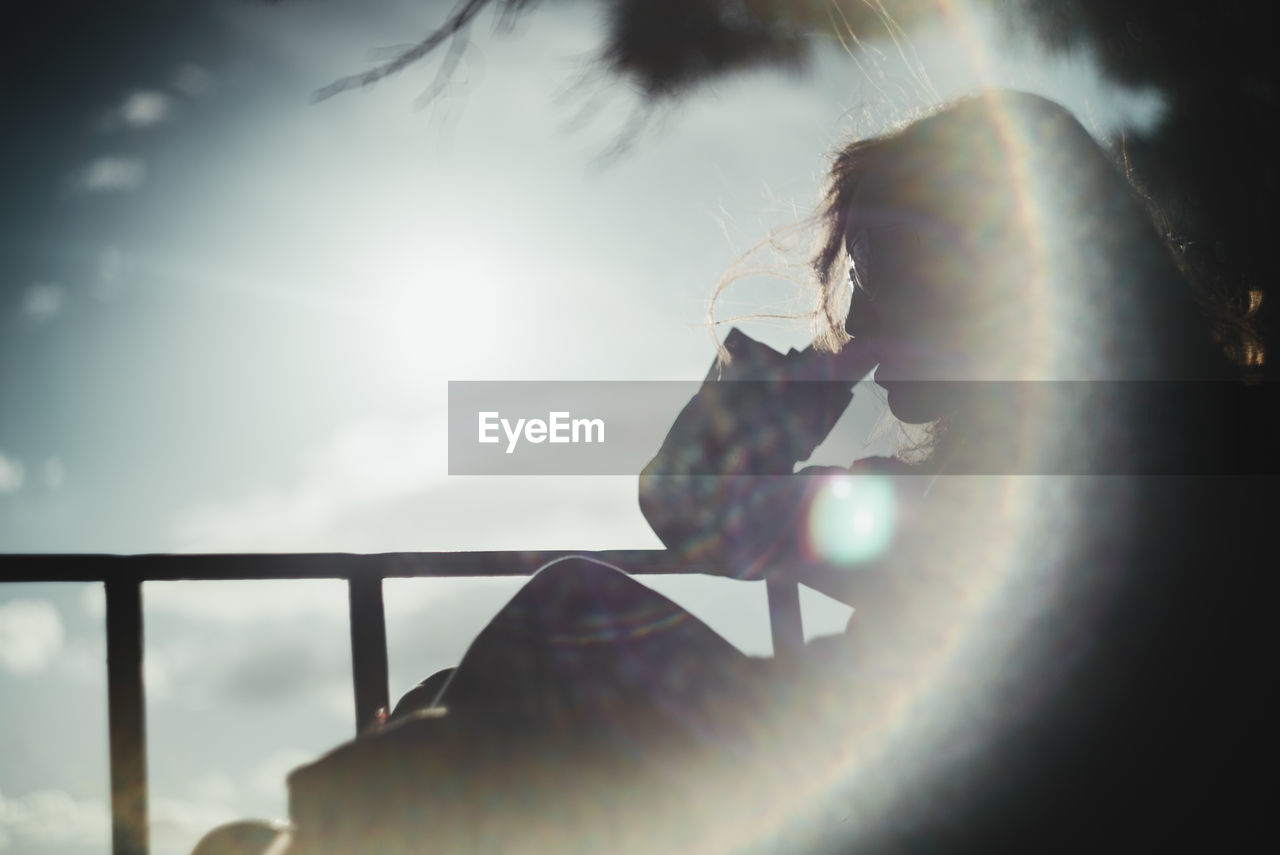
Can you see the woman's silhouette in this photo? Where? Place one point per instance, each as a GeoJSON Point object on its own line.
{"type": "Point", "coordinates": [1032, 662]}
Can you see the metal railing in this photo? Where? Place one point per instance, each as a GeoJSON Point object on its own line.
{"type": "Point", "coordinates": [123, 577]}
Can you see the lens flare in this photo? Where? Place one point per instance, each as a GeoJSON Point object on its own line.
{"type": "Point", "coordinates": [851, 519]}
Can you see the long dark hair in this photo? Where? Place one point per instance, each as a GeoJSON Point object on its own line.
{"type": "Point", "coordinates": [1076, 279]}
{"type": "Point", "coordinates": [1004, 152]}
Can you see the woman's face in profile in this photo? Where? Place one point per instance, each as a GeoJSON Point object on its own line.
{"type": "Point", "coordinates": [912, 301]}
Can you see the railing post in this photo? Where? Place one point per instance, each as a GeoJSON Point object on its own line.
{"type": "Point", "coordinates": [368, 646]}
{"type": "Point", "coordinates": [126, 715]}
{"type": "Point", "coordinates": [785, 620]}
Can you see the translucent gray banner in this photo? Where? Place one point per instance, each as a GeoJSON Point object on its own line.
{"type": "Point", "coordinates": [764, 427]}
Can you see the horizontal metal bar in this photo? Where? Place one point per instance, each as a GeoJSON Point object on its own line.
{"type": "Point", "coordinates": [98, 568]}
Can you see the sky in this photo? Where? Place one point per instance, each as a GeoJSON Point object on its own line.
{"type": "Point", "coordinates": [228, 317]}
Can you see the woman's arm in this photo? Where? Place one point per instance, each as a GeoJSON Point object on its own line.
{"type": "Point", "coordinates": [721, 488]}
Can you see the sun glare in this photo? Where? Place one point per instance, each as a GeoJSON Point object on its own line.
{"type": "Point", "coordinates": [851, 519]}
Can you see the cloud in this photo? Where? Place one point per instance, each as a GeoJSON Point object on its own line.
{"type": "Point", "coordinates": [259, 600]}
{"type": "Point", "coordinates": [192, 80]}
{"type": "Point", "coordinates": [93, 599]}
{"type": "Point", "coordinates": [30, 635]}
{"type": "Point", "coordinates": [267, 779]}
{"type": "Point", "coordinates": [363, 463]}
{"type": "Point", "coordinates": [274, 671]}
{"type": "Point", "coordinates": [10, 474]}
{"type": "Point", "coordinates": [381, 485]}
{"type": "Point", "coordinates": [177, 825]}
{"type": "Point", "coordinates": [43, 301]}
{"type": "Point", "coordinates": [215, 788]}
{"type": "Point", "coordinates": [144, 108]}
{"type": "Point", "coordinates": [112, 172]}
{"type": "Point", "coordinates": [259, 643]}
{"type": "Point", "coordinates": [157, 670]}
{"type": "Point", "coordinates": [52, 817]}
{"type": "Point", "coordinates": [83, 661]}
{"type": "Point", "coordinates": [49, 818]}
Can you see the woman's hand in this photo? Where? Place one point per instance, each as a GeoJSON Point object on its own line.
{"type": "Point", "coordinates": [721, 488]}
{"type": "Point", "coordinates": [763, 411]}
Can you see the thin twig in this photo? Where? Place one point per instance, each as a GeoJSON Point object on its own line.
{"type": "Point", "coordinates": [450, 30]}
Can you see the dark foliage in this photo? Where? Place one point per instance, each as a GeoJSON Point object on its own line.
{"type": "Point", "coordinates": [667, 46]}
{"type": "Point", "coordinates": [1211, 165]}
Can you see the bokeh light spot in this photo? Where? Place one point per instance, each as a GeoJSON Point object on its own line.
{"type": "Point", "coordinates": [851, 519]}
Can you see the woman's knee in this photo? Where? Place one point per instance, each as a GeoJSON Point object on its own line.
{"type": "Point", "coordinates": [577, 573]}
{"type": "Point", "coordinates": [560, 599]}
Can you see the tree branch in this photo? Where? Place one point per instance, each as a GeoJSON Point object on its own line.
{"type": "Point", "coordinates": [452, 30]}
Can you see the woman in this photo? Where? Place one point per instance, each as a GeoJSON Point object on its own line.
{"type": "Point", "coordinates": [1016, 672]}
